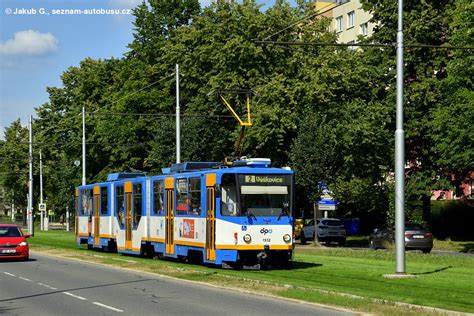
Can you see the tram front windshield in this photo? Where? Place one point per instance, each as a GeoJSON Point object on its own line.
{"type": "Point", "coordinates": [256, 194]}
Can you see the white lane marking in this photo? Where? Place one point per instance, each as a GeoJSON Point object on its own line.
{"type": "Point", "coordinates": [108, 307]}
{"type": "Point", "coordinates": [9, 274]}
{"type": "Point", "coordinates": [25, 279]}
{"type": "Point", "coordinates": [75, 296]}
{"type": "Point", "coordinates": [48, 286]}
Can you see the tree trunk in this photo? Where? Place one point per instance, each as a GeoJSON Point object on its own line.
{"type": "Point", "coordinates": [315, 213]}
{"type": "Point", "coordinates": [426, 215]}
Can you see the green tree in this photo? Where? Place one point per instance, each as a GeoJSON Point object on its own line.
{"type": "Point", "coordinates": [14, 162]}
{"type": "Point", "coordinates": [430, 98]}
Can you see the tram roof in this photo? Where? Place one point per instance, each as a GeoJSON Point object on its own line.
{"type": "Point", "coordinates": [124, 175]}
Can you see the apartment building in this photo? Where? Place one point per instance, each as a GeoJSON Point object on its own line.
{"type": "Point", "coordinates": [349, 20]}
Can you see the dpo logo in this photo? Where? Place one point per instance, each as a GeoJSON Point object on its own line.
{"type": "Point", "coordinates": [265, 231]}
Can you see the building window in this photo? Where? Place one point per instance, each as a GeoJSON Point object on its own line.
{"type": "Point", "coordinates": [350, 19]}
{"type": "Point", "coordinates": [339, 26]}
{"type": "Point", "coordinates": [364, 29]}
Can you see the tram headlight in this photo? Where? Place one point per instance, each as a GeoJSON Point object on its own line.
{"type": "Point", "coordinates": [286, 238]}
{"type": "Point", "coordinates": [247, 238]}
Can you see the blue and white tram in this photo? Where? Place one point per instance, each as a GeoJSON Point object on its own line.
{"type": "Point", "coordinates": [236, 215]}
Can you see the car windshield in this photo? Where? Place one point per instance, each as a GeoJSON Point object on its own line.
{"type": "Point", "coordinates": [332, 222]}
{"type": "Point", "coordinates": [10, 232]}
{"type": "Point", "coordinates": [414, 227]}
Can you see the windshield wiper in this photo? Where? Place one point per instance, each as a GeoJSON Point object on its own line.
{"type": "Point", "coordinates": [250, 215]}
{"type": "Point", "coordinates": [284, 210]}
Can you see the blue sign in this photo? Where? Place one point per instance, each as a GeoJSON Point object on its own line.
{"type": "Point", "coordinates": [327, 205]}
{"type": "Point", "coordinates": [328, 202]}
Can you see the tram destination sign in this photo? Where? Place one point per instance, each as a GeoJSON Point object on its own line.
{"type": "Point", "coordinates": [265, 179]}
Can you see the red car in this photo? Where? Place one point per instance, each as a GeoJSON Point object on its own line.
{"type": "Point", "coordinates": [13, 242]}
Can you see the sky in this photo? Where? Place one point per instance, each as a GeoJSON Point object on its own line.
{"type": "Point", "coordinates": [40, 39]}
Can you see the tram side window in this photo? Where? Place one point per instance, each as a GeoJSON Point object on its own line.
{"type": "Point", "coordinates": [137, 204]}
{"type": "Point", "coordinates": [195, 195]}
{"type": "Point", "coordinates": [229, 203]}
{"type": "Point", "coordinates": [182, 197]}
{"type": "Point", "coordinates": [104, 199]}
{"type": "Point", "coordinates": [83, 202]}
{"type": "Point", "coordinates": [158, 197]}
{"type": "Point", "coordinates": [90, 201]}
{"type": "Point", "coordinates": [120, 205]}
{"type": "Point", "coordinates": [78, 204]}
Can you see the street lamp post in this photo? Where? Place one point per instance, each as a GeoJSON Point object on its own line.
{"type": "Point", "coordinates": [400, 154]}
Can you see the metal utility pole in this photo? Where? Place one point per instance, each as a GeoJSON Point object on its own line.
{"type": "Point", "coordinates": [13, 206]}
{"type": "Point", "coordinates": [400, 155]}
{"type": "Point", "coordinates": [83, 146]}
{"type": "Point", "coordinates": [67, 218]}
{"type": "Point", "coordinates": [41, 190]}
{"type": "Point", "coordinates": [178, 127]}
{"type": "Point", "coordinates": [30, 182]}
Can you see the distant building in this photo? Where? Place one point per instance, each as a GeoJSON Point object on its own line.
{"type": "Point", "coordinates": [348, 19]}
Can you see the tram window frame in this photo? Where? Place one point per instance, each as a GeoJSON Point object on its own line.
{"type": "Point", "coordinates": [137, 197]}
{"type": "Point", "coordinates": [104, 200]}
{"type": "Point", "coordinates": [194, 194]}
{"type": "Point", "coordinates": [182, 199]}
{"type": "Point", "coordinates": [120, 213]}
{"type": "Point", "coordinates": [82, 198]}
{"type": "Point", "coordinates": [158, 197]}
{"type": "Point", "coordinates": [229, 181]}
{"type": "Point", "coordinates": [90, 202]}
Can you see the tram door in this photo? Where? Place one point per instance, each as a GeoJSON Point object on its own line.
{"type": "Point", "coordinates": [97, 216]}
{"type": "Point", "coordinates": [128, 215]}
{"type": "Point", "coordinates": [169, 217]}
{"type": "Point", "coordinates": [210, 217]}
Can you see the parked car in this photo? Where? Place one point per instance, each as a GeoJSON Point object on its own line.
{"type": "Point", "coordinates": [417, 237]}
{"type": "Point", "coordinates": [329, 230]}
{"type": "Point", "coordinates": [13, 242]}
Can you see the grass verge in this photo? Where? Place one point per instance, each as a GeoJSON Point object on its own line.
{"type": "Point", "coordinates": [334, 276]}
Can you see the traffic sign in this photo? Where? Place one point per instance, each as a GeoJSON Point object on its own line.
{"type": "Point", "coordinates": [42, 207]}
{"type": "Point", "coordinates": [327, 205]}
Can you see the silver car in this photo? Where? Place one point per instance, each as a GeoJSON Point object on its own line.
{"type": "Point", "coordinates": [416, 238]}
{"type": "Point", "coordinates": [329, 230]}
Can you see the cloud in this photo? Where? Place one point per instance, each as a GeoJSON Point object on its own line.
{"type": "Point", "coordinates": [29, 42]}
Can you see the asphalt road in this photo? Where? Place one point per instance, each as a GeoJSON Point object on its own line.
{"type": "Point", "coordinates": [54, 286]}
